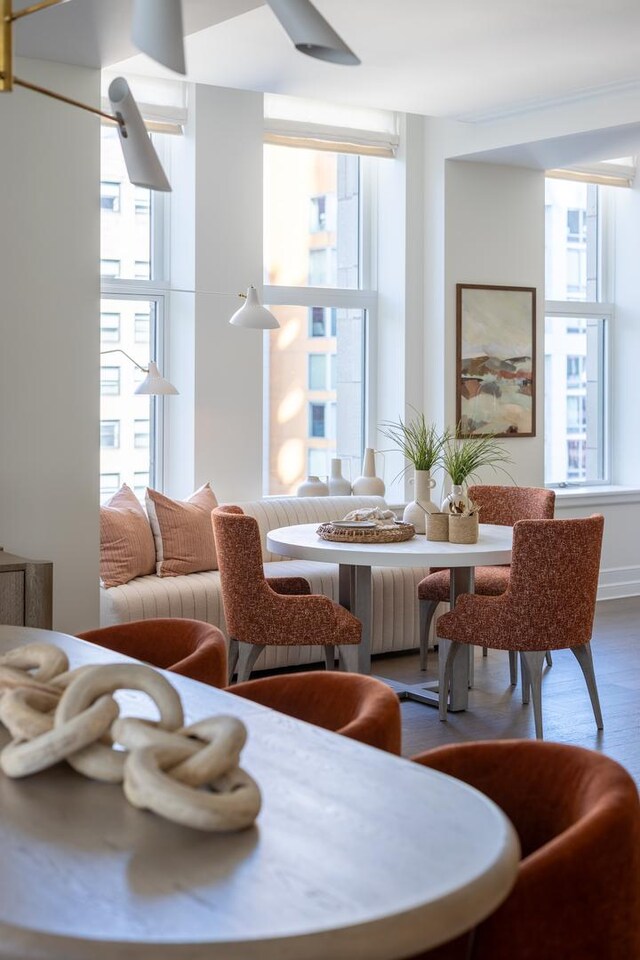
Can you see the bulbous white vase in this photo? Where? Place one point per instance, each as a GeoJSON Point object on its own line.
{"type": "Point", "coordinates": [313, 487]}
{"type": "Point", "coordinates": [416, 511]}
{"type": "Point", "coordinates": [339, 486]}
{"type": "Point", "coordinates": [368, 484]}
{"type": "Point", "coordinates": [457, 501]}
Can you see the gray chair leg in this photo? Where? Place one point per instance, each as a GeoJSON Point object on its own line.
{"type": "Point", "coordinates": [443, 698]}
{"type": "Point", "coordinates": [485, 652]}
{"type": "Point", "coordinates": [233, 657]}
{"type": "Point", "coordinates": [513, 668]}
{"type": "Point", "coordinates": [427, 611]}
{"type": "Point", "coordinates": [329, 657]}
{"type": "Point", "coordinates": [532, 660]}
{"type": "Point", "coordinates": [526, 680]}
{"type": "Point", "coordinates": [584, 658]}
{"type": "Point", "coordinates": [249, 653]}
{"type": "Point", "coordinates": [548, 658]}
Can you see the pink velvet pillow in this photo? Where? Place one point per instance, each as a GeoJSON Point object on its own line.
{"type": "Point", "coordinates": [127, 549]}
{"type": "Point", "coordinates": [183, 532]}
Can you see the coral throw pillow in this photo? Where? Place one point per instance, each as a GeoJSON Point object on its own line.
{"type": "Point", "coordinates": [127, 549]}
{"type": "Point", "coordinates": [183, 532]}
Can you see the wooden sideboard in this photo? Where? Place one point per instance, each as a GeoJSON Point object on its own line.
{"type": "Point", "coordinates": [26, 591]}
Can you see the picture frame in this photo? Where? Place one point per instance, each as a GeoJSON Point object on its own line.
{"type": "Point", "coordinates": [495, 360]}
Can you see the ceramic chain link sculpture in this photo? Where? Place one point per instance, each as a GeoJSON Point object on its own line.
{"type": "Point", "coordinates": [190, 775]}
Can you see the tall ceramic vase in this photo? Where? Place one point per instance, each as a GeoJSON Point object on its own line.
{"type": "Point", "coordinates": [368, 484]}
{"type": "Point", "coordinates": [339, 486]}
{"type": "Point", "coordinates": [457, 501]}
{"type": "Point", "coordinates": [416, 511]}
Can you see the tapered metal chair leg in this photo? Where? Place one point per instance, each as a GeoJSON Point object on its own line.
{"type": "Point", "coordinates": [330, 657]}
{"type": "Point", "coordinates": [526, 681]}
{"type": "Point", "coordinates": [249, 653]}
{"type": "Point", "coordinates": [533, 659]}
{"type": "Point", "coordinates": [443, 697]}
{"type": "Point", "coordinates": [233, 657]}
{"type": "Point", "coordinates": [548, 658]}
{"type": "Point", "coordinates": [513, 668]}
{"type": "Point", "coordinates": [584, 658]}
{"type": "Point", "coordinates": [427, 611]}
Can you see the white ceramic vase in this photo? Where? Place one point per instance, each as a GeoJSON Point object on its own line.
{"type": "Point", "coordinates": [339, 486]}
{"type": "Point", "coordinates": [313, 487]}
{"type": "Point", "coordinates": [416, 511]}
{"type": "Point", "coordinates": [457, 501]}
{"type": "Point", "coordinates": [368, 484]}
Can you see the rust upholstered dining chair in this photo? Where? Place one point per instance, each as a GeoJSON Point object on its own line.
{"type": "Point", "coordinates": [361, 708]}
{"type": "Point", "coordinates": [576, 812]}
{"type": "Point", "coordinates": [260, 612]}
{"type": "Point", "coordinates": [189, 647]}
{"type": "Point", "coordinates": [501, 505]}
{"type": "Point", "coordinates": [548, 605]}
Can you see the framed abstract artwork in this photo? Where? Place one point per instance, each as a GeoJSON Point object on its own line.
{"type": "Point", "coordinates": [495, 360]}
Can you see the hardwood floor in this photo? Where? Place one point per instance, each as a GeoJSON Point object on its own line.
{"type": "Point", "coordinates": [496, 711]}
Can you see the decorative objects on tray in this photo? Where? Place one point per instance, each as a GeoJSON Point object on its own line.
{"type": "Point", "coordinates": [186, 774]}
{"type": "Point", "coordinates": [368, 484]}
{"type": "Point", "coordinates": [495, 360]}
{"type": "Point", "coordinates": [422, 446]}
{"type": "Point", "coordinates": [313, 487]}
{"type": "Point", "coordinates": [372, 525]}
{"type": "Point", "coordinates": [339, 486]}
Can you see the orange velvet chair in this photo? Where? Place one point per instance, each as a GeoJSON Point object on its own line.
{"type": "Point", "coordinates": [576, 812]}
{"type": "Point", "coordinates": [353, 705]}
{"type": "Point", "coordinates": [501, 505]}
{"type": "Point", "coordinates": [260, 612]}
{"type": "Point", "coordinates": [549, 604]}
{"type": "Point", "coordinates": [189, 647]}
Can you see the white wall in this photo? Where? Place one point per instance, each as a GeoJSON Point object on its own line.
{"type": "Point", "coordinates": [49, 334]}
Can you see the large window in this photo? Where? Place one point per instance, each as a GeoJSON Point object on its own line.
{"type": "Point", "coordinates": [131, 322]}
{"type": "Point", "coordinates": [315, 247]}
{"type": "Point", "coordinates": [576, 331]}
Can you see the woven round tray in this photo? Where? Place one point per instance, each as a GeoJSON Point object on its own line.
{"type": "Point", "coordinates": [401, 531]}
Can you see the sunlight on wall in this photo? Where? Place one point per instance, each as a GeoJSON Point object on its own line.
{"type": "Point", "coordinates": [290, 460]}
{"type": "Point", "coordinates": [290, 405]}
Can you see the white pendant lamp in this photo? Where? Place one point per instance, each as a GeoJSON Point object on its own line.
{"type": "Point", "coordinates": [143, 166]}
{"type": "Point", "coordinates": [154, 383]}
{"type": "Point", "coordinates": [310, 32]}
{"type": "Point", "coordinates": [156, 29]}
{"type": "Point", "coordinates": [253, 315]}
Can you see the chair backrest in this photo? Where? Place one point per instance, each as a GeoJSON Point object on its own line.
{"type": "Point", "coordinates": [239, 553]}
{"type": "Point", "coordinates": [554, 578]}
{"type": "Point", "coordinates": [577, 894]}
{"type": "Point", "coordinates": [505, 505]}
{"type": "Point", "coordinates": [190, 647]}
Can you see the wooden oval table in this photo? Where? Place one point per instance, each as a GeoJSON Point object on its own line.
{"type": "Point", "coordinates": [355, 560]}
{"type": "Point", "coordinates": [355, 853]}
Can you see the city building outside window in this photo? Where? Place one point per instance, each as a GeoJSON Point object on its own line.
{"type": "Point", "coordinates": [110, 433]}
{"type": "Point", "coordinates": [576, 331]}
{"type": "Point", "coordinates": [110, 196]}
{"type": "Point", "coordinates": [316, 285]}
{"type": "Point", "coordinates": [132, 292]}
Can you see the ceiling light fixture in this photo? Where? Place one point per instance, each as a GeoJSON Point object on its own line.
{"type": "Point", "coordinates": [154, 383]}
{"type": "Point", "coordinates": [156, 29]}
{"type": "Point", "coordinates": [142, 162]}
{"type": "Point", "coordinates": [310, 32]}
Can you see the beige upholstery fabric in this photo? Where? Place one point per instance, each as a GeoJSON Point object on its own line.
{"type": "Point", "coordinates": [126, 541]}
{"type": "Point", "coordinates": [182, 532]}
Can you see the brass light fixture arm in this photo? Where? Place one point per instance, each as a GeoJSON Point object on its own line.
{"type": "Point", "coordinates": [33, 9]}
{"type": "Point", "coordinates": [134, 362]}
{"type": "Point", "coordinates": [74, 103]}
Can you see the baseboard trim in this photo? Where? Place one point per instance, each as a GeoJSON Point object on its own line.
{"type": "Point", "coordinates": [618, 582]}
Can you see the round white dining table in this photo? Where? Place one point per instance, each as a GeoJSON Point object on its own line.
{"type": "Point", "coordinates": [355, 561]}
{"type": "Point", "coordinates": [355, 852]}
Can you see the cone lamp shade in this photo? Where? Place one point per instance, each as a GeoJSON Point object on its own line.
{"type": "Point", "coordinates": [310, 32]}
{"type": "Point", "coordinates": [154, 383]}
{"type": "Point", "coordinates": [156, 29]}
{"type": "Point", "coordinates": [143, 166]}
{"type": "Point", "coordinates": [253, 315]}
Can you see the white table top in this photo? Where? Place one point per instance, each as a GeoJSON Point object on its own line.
{"type": "Point", "coordinates": [354, 853]}
{"type": "Point", "coordinates": [303, 543]}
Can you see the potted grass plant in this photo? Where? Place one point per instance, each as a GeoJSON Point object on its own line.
{"type": "Point", "coordinates": [422, 446]}
{"type": "Point", "coordinates": [462, 458]}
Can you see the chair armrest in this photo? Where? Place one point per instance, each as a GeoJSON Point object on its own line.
{"type": "Point", "coordinates": [290, 585]}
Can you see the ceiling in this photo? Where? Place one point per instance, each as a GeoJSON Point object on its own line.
{"type": "Point", "coordinates": [462, 59]}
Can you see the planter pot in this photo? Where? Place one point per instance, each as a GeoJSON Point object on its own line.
{"type": "Point", "coordinates": [458, 500]}
{"type": "Point", "coordinates": [313, 487]}
{"type": "Point", "coordinates": [416, 511]}
{"type": "Point", "coordinates": [438, 526]}
{"type": "Point", "coordinates": [339, 486]}
{"type": "Point", "coordinates": [368, 484]}
{"type": "Point", "coordinates": [463, 529]}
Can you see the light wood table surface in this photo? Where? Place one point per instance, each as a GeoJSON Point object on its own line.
{"type": "Point", "coordinates": [355, 561]}
{"type": "Point", "coordinates": [355, 853]}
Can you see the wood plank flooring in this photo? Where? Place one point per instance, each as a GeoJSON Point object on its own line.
{"type": "Point", "coordinates": [496, 710]}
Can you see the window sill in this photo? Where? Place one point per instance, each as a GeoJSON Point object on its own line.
{"type": "Point", "coordinates": [596, 495]}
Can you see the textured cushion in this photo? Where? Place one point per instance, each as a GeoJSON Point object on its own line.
{"type": "Point", "coordinates": [126, 540]}
{"type": "Point", "coordinates": [183, 532]}
{"type": "Point", "coordinates": [489, 581]}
